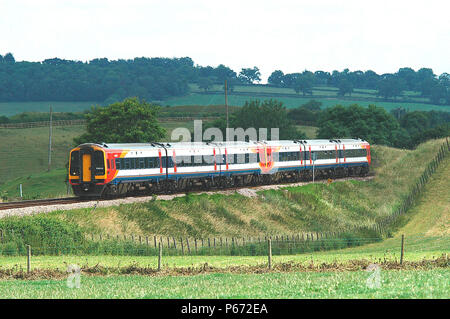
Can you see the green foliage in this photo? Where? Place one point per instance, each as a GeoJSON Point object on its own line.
{"type": "Point", "coordinates": [129, 121]}
{"type": "Point", "coordinates": [45, 116]}
{"type": "Point", "coordinates": [307, 113]}
{"type": "Point", "coordinates": [373, 124]}
{"type": "Point", "coordinates": [43, 233]}
{"type": "Point", "coordinates": [304, 83]}
{"type": "Point", "coordinates": [256, 114]}
{"type": "Point", "coordinates": [267, 114]}
{"type": "Point", "coordinates": [97, 80]}
{"type": "Point", "coordinates": [250, 75]}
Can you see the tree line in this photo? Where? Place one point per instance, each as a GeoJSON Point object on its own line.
{"type": "Point", "coordinates": [388, 85]}
{"type": "Point", "coordinates": [155, 79]}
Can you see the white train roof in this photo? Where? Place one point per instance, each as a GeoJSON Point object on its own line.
{"type": "Point", "coordinates": [205, 145]}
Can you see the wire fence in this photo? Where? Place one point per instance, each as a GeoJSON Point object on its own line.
{"type": "Point", "coordinates": [383, 225]}
{"type": "Point", "coordinates": [15, 244]}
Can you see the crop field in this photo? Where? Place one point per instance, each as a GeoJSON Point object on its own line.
{"type": "Point", "coordinates": [393, 284]}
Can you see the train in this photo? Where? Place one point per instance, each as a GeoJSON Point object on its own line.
{"type": "Point", "coordinates": [111, 169]}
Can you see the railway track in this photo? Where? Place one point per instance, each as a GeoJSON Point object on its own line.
{"type": "Point", "coordinates": [39, 202]}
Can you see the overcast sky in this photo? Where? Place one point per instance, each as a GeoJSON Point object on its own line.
{"type": "Point", "coordinates": [288, 35]}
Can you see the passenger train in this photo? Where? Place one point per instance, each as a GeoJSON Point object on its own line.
{"type": "Point", "coordinates": [108, 170]}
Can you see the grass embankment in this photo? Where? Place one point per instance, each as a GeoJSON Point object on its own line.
{"type": "Point", "coordinates": [338, 207]}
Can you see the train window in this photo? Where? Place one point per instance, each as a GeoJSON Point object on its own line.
{"type": "Point", "coordinates": [75, 163]}
{"type": "Point", "coordinates": [118, 163]}
{"type": "Point", "coordinates": [99, 163]}
{"type": "Point", "coordinates": [356, 153]}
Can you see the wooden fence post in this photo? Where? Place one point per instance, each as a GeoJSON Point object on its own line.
{"type": "Point", "coordinates": [187, 245]}
{"type": "Point", "coordinates": [195, 244]}
{"type": "Point", "coordinates": [1, 235]}
{"type": "Point", "coordinates": [154, 239]}
{"type": "Point", "coordinates": [28, 258]}
{"type": "Point", "coordinates": [269, 245]}
{"type": "Point", "coordinates": [182, 247]}
{"type": "Point", "coordinates": [402, 250]}
{"type": "Point", "coordinates": [174, 243]}
{"type": "Point", "coordinates": [159, 256]}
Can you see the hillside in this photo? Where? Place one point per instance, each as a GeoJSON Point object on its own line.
{"type": "Point", "coordinates": [343, 206]}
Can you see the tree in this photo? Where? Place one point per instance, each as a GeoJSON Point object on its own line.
{"type": "Point", "coordinates": [304, 83]}
{"type": "Point", "coordinates": [373, 124]}
{"type": "Point", "coordinates": [268, 114]}
{"type": "Point", "coordinates": [276, 78]}
{"type": "Point", "coordinates": [205, 83]}
{"type": "Point", "coordinates": [345, 87]}
{"type": "Point", "coordinates": [9, 58]}
{"type": "Point", "coordinates": [256, 114]}
{"type": "Point", "coordinates": [129, 121]}
{"type": "Point", "coordinates": [390, 86]}
{"type": "Point", "coordinates": [248, 75]}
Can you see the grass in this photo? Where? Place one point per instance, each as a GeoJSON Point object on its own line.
{"type": "Point", "coordinates": [12, 108]}
{"type": "Point", "coordinates": [393, 284]}
{"type": "Point", "coordinates": [25, 151]}
{"type": "Point", "coordinates": [212, 99]}
{"type": "Point", "coordinates": [310, 131]}
{"type": "Point", "coordinates": [39, 185]}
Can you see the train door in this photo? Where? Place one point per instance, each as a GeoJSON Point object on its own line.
{"type": "Point", "coordinates": [87, 168]}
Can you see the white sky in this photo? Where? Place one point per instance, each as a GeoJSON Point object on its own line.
{"type": "Point", "coordinates": [288, 35]}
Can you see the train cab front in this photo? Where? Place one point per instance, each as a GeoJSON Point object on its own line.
{"type": "Point", "coordinates": [87, 170]}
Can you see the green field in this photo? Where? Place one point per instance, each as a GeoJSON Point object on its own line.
{"type": "Point", "coordinates": [393, 284]}
{"type": "Point", "coordinates": [12, 108]}
{"type": "Point", "coordinates": [293, 102]}
{"type": "Point", "coordinates": [215, 98]}
{"type": "Point", "coordinates": [25, 151]}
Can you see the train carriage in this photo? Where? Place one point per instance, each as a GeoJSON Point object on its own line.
{"type": "Point", "coordinates": [119, 169]}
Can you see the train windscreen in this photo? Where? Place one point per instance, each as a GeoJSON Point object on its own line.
{"type": "Point", "coordinates": [75, 163]}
